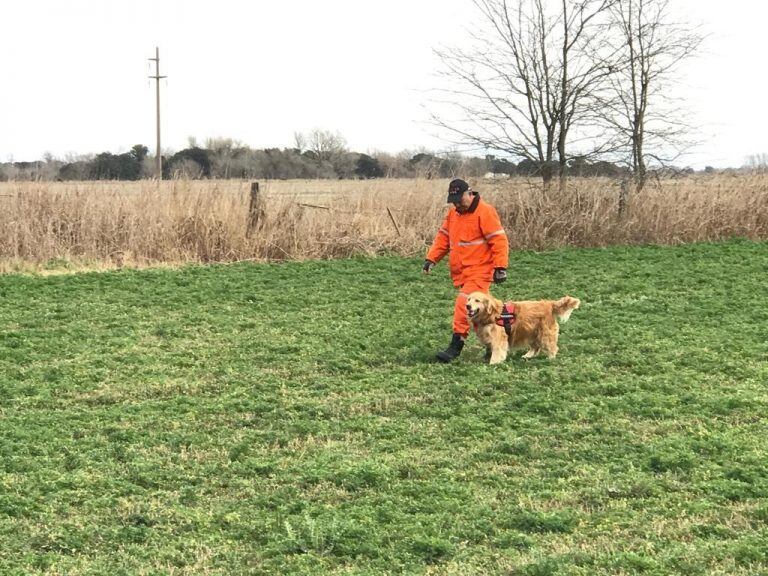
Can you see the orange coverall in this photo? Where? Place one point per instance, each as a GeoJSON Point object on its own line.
{"type": "Point", "coordinates": [477, 244]}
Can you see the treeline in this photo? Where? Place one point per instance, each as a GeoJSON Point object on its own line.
{"type": "Point", "coordinates": [225, 159]}
{"type": "Point", "coordinates": [316, 155]}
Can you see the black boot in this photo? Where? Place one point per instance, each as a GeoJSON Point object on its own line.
{"type": "Point", "coordinates": [453, 350]}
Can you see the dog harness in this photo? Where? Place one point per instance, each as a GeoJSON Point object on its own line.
{"type": "Point", "coordinates": [507, 318]}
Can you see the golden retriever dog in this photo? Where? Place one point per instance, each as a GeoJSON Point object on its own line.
{"type": "Point", "coordinates": [534, 324]}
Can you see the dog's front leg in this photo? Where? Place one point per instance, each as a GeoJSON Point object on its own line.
{"type": "Point", "coordinates": [498, 353]}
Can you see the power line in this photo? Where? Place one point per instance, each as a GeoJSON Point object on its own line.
{"type": "Point", "coordinates": [158, 157]}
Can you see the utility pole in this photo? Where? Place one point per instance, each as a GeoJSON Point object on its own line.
{"type": "Point", "coordinates": [158, 157]}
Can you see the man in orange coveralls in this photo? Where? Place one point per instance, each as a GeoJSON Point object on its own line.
{"type": "Point", "coordinates": [479, 252]}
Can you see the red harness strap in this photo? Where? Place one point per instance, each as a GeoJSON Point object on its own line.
{"type": "Point", "coordinates": [508, 317]}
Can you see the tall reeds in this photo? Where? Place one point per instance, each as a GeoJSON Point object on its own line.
{"type": "Point", "coordinates": [112, 224]}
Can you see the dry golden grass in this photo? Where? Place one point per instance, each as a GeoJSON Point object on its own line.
{"type": "Point", "coordinates": [146, 223]}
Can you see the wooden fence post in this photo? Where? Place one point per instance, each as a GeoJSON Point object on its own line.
{"type": "Point", "coordinates": [624, 196]}
{"type": "Point", "coordinates": [255, 209]}
{"type": "Point", "coordinates": [392, 217]}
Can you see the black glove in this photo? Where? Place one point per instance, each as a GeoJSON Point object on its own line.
{"type": "Point", "coordinates": [428, 265]}
{"type": "Point", "coordinates": [499, 275]}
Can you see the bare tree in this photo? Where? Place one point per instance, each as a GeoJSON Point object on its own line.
{"type": "Point", "coordinates": [224, 154]}
{"type": "Point", "coordinates": [325, 145]}
{"type": "Point", "coordinates": [757, 162]}
{"type": "Point", "coordinates": [640, 108]}
{"type": "Point", "coordinates": [527, 85]}
{"type": "Point", "coordinates": [299, 142]}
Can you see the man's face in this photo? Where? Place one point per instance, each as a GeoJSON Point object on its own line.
{"type": "Point", "coordinates": [464, 202]}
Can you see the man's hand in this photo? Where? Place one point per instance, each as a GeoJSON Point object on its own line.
{"type": "Point", "coordinates": [499, 275]}
{"type": "Point", "coordinates": [428, 265]}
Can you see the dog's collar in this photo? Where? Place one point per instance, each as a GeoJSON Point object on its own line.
{"type": "Point", "coordinates": [508, 317]}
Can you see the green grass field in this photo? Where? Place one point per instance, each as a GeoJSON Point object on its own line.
{"type": "Point", "coordinates": [288, 419]}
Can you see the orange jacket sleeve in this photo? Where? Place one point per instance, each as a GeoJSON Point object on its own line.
{"type": "Point", "coordinates": [493, 231]}
{"type": "Point", "coordinates": [441, 244]}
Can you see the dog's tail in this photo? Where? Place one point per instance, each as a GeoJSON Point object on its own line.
{"type": "Point", "coordinates": [562, 308]}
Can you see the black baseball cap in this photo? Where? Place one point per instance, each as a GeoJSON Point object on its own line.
{"type": "Point", "coordinates": [456, 190]}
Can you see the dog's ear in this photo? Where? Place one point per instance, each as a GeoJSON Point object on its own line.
{"type": "Point", "coordinates": [494, 306]}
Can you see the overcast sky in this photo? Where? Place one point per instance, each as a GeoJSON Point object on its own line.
{"type": "Point", "coordinates": [75, 73]}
